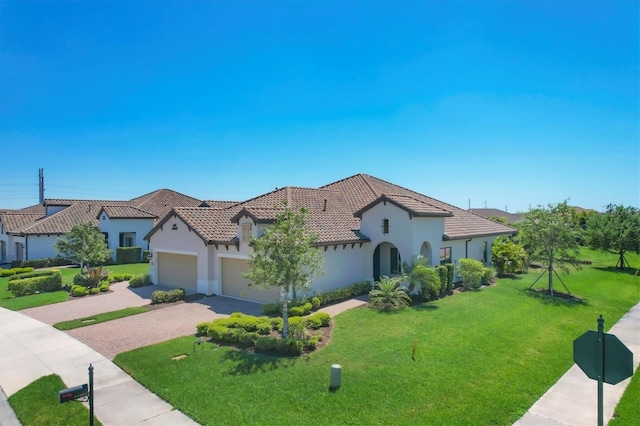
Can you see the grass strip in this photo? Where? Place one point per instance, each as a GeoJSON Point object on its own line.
{"type": "Point", "coordinates": [627, 412]}
{"type": "Point", "coordinates": [98, 318]}
{"type": "Point", "coordinates": [37, 405]}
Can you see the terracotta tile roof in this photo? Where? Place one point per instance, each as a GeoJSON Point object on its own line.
{"type": "Point", "coordinates": [155, 204]}
{"type": "Point", "coordinates": [125, 212]}
{"type": "Point", "coordinates": [13, 220]}
{"type": "Point", "coordinates": [362, 189]}
{"type": "Point", "coordinates": [511, 217]}
{"type": "Point", "coordinates": [412, 205]}
{"type": "Point", "coordinates": [218, 204]}
{"type": "Point", "coordinates": [213, 225]}
{"type": "Point", "coordinates": [160, 202]}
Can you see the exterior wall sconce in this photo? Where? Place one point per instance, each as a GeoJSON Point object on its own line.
{"type": "Point", "coordinates": [174, 227]}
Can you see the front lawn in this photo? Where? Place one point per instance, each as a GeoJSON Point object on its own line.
{"type": "Point", "coordinates": [16, 303]}
{"type": "Point", "coordinates": [483, 357]}
{"type": "Point", "coordinates": [37, 405]}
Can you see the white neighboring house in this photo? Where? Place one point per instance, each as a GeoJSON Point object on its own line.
{"type": "Point", "coordinates": [31, 233]}
{"type": "Point", "coordinates": [366, 228]}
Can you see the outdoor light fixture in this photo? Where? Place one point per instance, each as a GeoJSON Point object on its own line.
{"type": "Point", "coordinates": [174, 227]}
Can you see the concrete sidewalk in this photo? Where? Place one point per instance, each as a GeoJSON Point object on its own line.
{"type": "Point", "coordinates": [30, 349]}
{"type": "Point", "coordinates": [573, 400]}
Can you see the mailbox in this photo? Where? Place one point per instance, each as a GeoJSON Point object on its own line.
{"type": "Point", "coordinates": [70, 394]}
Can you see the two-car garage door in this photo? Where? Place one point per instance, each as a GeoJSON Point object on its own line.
{"type": "Point", "coordinates": [178, 270]}
{"type": "Point", "coordinates": [234, 284]}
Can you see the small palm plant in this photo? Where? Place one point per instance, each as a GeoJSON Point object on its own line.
{"type": "Point", "coordinates": [388, 295]}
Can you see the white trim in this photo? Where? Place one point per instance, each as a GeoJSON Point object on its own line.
{"type": "Point", "coordinates": [190, 253]}
{"type": "Point", "coordinates": [234, 256]}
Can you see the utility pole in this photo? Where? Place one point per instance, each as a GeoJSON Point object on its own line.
{"type": "Point", "coordinates": [41, 185]}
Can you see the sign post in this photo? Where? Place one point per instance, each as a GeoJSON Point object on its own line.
{"type": "Point", "coordinates": [602, 357]}
{"type": "Point", "coordinates": [71, 394]}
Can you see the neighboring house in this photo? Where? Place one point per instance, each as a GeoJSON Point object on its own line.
{"type": "Point", "coordinates": [490, 213]}
{"type": "Point", "coordinates": [366, 228]}
{"type": "Point", "coordinates": [31, 233]}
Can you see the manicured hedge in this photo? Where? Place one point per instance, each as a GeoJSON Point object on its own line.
{"type": "Point", "coordinates": [128, 255]}
{"type": "Point", "coordinates": [170, 296]}
{"type": "Point", "coordinates": [140, 280]}
{"type": "Point", "coordinates": [40, 273]}
{"type": "Point", "coordinates": [14, 271]}
{"type": "Point", "coordinates": [41, 263]}
{"type": "Point", "coordinates": [116, 278]}
{"type": "Point", "coordinates": [39, 284]}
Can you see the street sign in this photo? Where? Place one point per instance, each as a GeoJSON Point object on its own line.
{"type": "Point", "coordinates": [602, 357]}
{"type": "Point", "coordinates": [618, 359]}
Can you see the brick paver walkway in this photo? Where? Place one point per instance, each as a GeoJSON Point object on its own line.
{"type": "Point", "coordinates": [113, 337]}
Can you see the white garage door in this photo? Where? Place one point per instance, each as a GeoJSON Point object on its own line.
{"type": "Point", "coordinates": [178, 270]}
{"type": "Point", "coordinates": [234, 284]}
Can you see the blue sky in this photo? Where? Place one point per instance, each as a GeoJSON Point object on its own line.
{"type": "Point", "coordinates": [506, 103]}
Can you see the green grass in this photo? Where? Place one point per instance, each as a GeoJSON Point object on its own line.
{"type": "Point", "coordinates": [97, 319]}
{"type": "Point", "coordinates": [37, 405]}
{"type": "Point", "coordinates": [627, 412]}
{"type": "Point", "coordinates": [483, 357]}
{"type": "Point", "coordinates": [16, 303]}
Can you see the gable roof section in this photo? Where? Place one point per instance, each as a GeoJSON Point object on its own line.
{"type": "Point", "coordinates": [14, 220]}
{"type": "Point", "coordinates": [152, 205]}
{"type": "Point", "coordinates": [160, 202]}
{"type": "Point", "coordinates": [124, 212]}
{"type": "Point", "coordinates": [411, 205]}
{"type": "Point", "coordinates": [361, 190]}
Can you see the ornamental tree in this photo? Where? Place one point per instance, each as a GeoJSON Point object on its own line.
{"type": "Point", "coordinates": [285, 256]}
{"type": "Point", "coordinates": [551, 235]}
{"type": "Point", "coordinates": [84, 244]}
{"type": "Point", "coordinates": [507, 256]}
{"type": "Point", "coordinates": [616, 231]}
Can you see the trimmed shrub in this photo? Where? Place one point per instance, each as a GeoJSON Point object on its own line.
{"type": "Point", "coordinates": [146, 256]}
{"type": "Point", "coordinates": [315, 303]}
{"type": "Point", "coordinates": [276, 323]}
{"type": "Point", "coordinates": [338, 295]}
{"type": "Point", "coordinates": [79, 291]}
{"type": "Point", "coordinates": [471, 271]}
{"type": "Point", "coordinates": [324, 317]}
{"type": "Point", "coordinates": [267, 344]}
{"type": "Point", "coordinates": [94, 290]}
{"type": "Point", "coordinates": [298, 311]}
{"type": "Point", "coordinates": [160, 296]}
{"type": "Point", "coordinates": [487, 274]}
{"type": "Point", "coordinates": [248, 338]}
{"type": "Point", "coordinates": [104, 287]}
{"type": "Point", "coordinates": [215, 331]}
{"type": "Point", "coordinates": [92, 277]}
{"type": "Point", "coordinates": [41, 263]}
{"type": "Point", "coordinates": [290, 345]}
{"type": "Point", "coordinates": [450, 279]}
{"type": "Point", "coordinates": [128, 255]}
{"type": "Point", "coordinates": [32, 274]}
{"type": "Point", "coordinates": [443, 275]}
{"type": "Point", "coordinates": [117, 278]}
{"type": "Point", "coordinates": [14, 271]}
{"type": "Point", "coordinates": [38, 284]}
{"type": "Point", "coordinates": [203, 327]}
{"type": "Point", "coordinates": [140, 280]}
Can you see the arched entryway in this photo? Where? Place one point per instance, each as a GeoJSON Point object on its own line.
{"type": "Point", "coordinates": [425, 251]}
{"type": "Point", "coordinates": [386, 261]}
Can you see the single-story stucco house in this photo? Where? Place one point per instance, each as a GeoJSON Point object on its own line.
{"type": "Point", "coordinates": [366, 228]}
{"type": "Point", "coordinates": [31, 233]}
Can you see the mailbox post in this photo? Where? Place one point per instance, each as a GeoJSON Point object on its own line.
{"type": "Point", "coordinates": [71, 394]}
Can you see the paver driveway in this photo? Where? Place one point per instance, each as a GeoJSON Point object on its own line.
{"type": "Point", "coordinates": [124, 334]}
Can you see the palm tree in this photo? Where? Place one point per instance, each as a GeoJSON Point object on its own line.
{"type": "Point", "coordinates": [388, 295]}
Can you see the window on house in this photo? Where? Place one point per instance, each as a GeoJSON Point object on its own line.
{"type": "Point", "coordinates": [246, 232]}
{"type": "Point", "coordinates": [395, 260]}
{"type": "Point", "coordinates": [3, 250]}
{"type": "Point", "coordinates": [106, 238]}
{"type": "Point", "coordinates": [445, 255]}
{"type": "Point", "coordinates": [127, 239]}
{"type": "Point", "coordinates": [385, 226]}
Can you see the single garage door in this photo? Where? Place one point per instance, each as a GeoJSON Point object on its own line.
{"type": "Point", "coordinates": [234, 284]}
{"type": "Point", "coordinates": [178, 270]}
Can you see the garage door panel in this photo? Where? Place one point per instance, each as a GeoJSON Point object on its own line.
{"type": "Point", "coordinates": [178, 270]}
{"type": "Point", "coordinates": [234, 284]}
